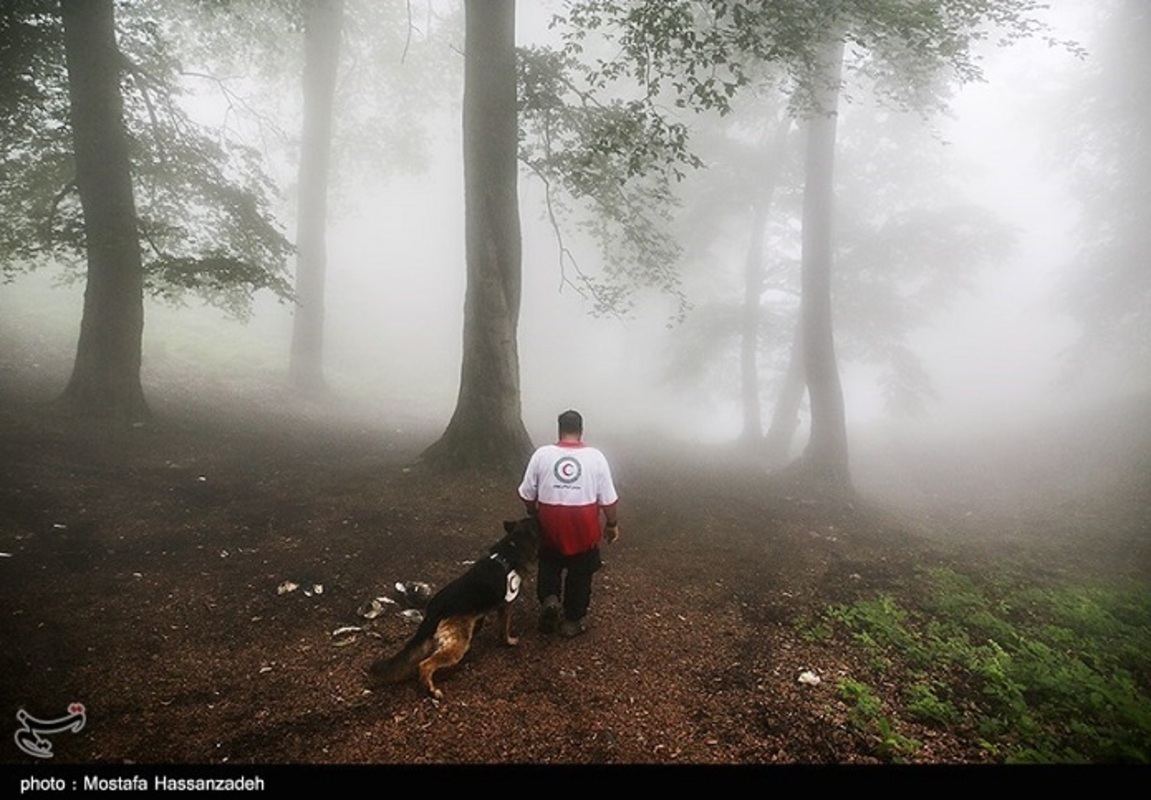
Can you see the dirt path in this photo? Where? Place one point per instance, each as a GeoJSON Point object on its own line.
{"type": "Point", "coordinates": [142, 577]}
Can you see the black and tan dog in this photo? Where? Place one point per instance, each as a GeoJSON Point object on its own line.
{"type": "Point", "coordinates": [456, 611]}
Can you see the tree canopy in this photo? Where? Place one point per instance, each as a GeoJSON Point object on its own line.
{"type": "Point", "coordinates": [204, 201]}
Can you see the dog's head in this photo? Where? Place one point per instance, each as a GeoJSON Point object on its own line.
{"type": "Point", "coordinates": [520, 545]}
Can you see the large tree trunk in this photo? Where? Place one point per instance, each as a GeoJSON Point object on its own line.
{"type": "Point", "coordinates": [752, 434]}
{"type": "Point", "coordinates": [487, 430]}
{"type": "Point", "coordinates": [321, 60]}
{"type": "Point", "coordinates": [105, 382]}
{"type": "Point", "coordinates": [826, 455]}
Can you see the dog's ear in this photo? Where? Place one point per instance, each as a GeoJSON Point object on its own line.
{"type": "Point", "coordinates": [531, 535]}
{"type": "Point", "coordinates": [509, 525]}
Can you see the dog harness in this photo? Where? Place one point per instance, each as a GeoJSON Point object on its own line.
{"type": "Point", "coordinates": [512, 590]}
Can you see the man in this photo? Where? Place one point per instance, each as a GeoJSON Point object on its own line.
{"type": "Point", "coordinates": [568, 484]}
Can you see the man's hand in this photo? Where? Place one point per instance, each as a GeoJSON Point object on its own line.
{"type": "Point", "coordinates": [611, 532]}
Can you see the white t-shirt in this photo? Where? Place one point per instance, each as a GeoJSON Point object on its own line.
{"type": "Point", "coordinates": [570, 482]}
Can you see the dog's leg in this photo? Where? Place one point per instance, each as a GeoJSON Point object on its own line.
{"type": "Point", "coordinates": [453, 638]}
{"type": "Point", "coordinates": [505, 615]}
{"type": "Point", "coordinates": [428, 668]}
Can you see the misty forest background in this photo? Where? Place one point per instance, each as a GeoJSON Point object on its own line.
{"type": "Point", "coordinates": [788, 225]}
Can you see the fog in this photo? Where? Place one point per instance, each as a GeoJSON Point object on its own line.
{"type": "Point", "coordinates": [396, 284]}
{"type": "Point", "coordinates": [997, 357]}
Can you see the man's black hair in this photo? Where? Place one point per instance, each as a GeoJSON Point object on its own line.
{"type": "Point", "coordinates": [570, 422]}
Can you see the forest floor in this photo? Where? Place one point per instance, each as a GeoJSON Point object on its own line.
{"type": "Point", "coordinates": [143, 574]}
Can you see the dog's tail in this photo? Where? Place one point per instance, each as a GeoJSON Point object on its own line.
{"type": "Point", "coordinates": [403, 664]}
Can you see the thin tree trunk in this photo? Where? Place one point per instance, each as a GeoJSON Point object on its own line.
{"type": "Point", "coordinates": [321, 62]}
{"type": "Point", "coordinates": [749, 335]}
{"type": "Point", "coordinates": [752, 434]}
{"type": "Point", "coordinates": [105, 382]}
{"type": "Point", "coordinates": [826, 454]}
{"type": "Point", "coordinates": [785, 415]}
{"type": "Point", "coordinates": [486, 429]}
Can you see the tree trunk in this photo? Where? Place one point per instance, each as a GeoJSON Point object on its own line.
{"type": "Point", "coordinates": [752, 434]}
{"type": "Point", "coordinates": [105, 382]}
{"type": "Point", "coordinates": [826, 455]}
{"type": "Point", "coordinates": [321, 60]}
{"type": "Point", "coordinates": [487, 430]}
{"type": "Point", "coordinates": [785, 415]}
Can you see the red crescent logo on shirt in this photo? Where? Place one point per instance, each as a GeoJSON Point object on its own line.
{"type": "Point", "coordinates": [567, 470]}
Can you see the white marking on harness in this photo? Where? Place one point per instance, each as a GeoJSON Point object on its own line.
{"type": "Point", "coordinates": [513, 586]}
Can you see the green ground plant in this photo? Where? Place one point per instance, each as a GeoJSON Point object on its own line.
{"type": "Point", "coordinates": [1035, 674]}
{"type": "Point", "coordinates": [866, 716]}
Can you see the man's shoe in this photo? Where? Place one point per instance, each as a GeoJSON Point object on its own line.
{"type": "Point", "coordinates": [572, 628]}
{"type": "Point", "coordinates": [550, 614]}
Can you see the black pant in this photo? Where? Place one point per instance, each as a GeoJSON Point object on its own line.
{"type": "Point", "coordinates": [574, 587]}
